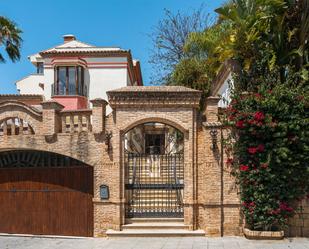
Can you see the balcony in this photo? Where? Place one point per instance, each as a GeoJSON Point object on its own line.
{"type": "Point", "coordinates": [71, 101]}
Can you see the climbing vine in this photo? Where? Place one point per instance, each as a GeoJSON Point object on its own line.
{"type": "Point", "coordinates": [268, 152]}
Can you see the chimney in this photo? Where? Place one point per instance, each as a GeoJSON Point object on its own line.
{"type": "Point", "coordinates": [68, 38]}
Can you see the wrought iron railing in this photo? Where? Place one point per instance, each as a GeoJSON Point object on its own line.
{"type": "Point", "coordinates": [154, 185]}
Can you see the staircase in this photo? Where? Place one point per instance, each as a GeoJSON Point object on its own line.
{"type": "Point", "coordinates": [155, 202]}
{"type": "Point", "coordinates": [155, 227]}
{"type": "Point", "coordinates": [155, 186]}
{"type": "Point", "coordinates": [154, 194]}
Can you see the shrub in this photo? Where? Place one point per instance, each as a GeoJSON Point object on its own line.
{"type": "Point", "coordinates": [268, 150]}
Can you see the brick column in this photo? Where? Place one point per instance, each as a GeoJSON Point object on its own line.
{"type": "Point", "coordinates": [51, 120]}
{"type": "Point", "coordinates": [211, 110]}
{"type": "Point", "coordinates": [98, 115]}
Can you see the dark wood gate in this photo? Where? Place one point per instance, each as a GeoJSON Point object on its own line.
{"type": "Point", "coordinates": [45, 193]}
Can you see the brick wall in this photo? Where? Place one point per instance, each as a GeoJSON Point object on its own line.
{"type": "Point", "coordinates": [210, 195]}
{"type": "Point", "coordinates": [299, 224]}
{"type": "Point", "coordinates": [218, 202]}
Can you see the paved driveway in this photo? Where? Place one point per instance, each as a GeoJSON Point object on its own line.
{"type": "Point", "coordinates": [10, 242]}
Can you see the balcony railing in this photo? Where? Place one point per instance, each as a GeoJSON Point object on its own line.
{"type": "Point", "coordinates": [71, 91]}
{"type": "Point", "coordinates": [76, 121]}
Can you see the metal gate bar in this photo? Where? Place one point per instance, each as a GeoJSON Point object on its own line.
{"type": "Point", "coordinates": [154, 185]}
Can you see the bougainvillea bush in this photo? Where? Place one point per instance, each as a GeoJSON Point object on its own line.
{"type": "Point", "coordinates": [268, 150]}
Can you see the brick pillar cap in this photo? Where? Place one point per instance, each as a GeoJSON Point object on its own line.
{"type": "Point", "coordinates": [213, 99]}
{"type": "Point", "coordinates": [52, 104]}
{"type": "Point", "coordinates": [99, 102]}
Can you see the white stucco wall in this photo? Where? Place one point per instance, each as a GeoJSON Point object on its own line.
{"type": "Point", "coordinates": [101, 75]}
{"type": "Point", "coordinates": [225, 92]}
{"type": "Point", "coordinates": [30, 84]}
{"type": "Point", "coordinates": [102, 80]}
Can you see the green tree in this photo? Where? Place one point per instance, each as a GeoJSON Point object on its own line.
{"type": "Point", "coordinates": [202, 60]}
{"type": "Point", "coordinates": [192, 73]}
{"type": "Point", "coordinates": [168, 39]}
{"type": "Point", "coordinates": [267, 34]}
{"type": "Point", "coordinates": [10, 39]}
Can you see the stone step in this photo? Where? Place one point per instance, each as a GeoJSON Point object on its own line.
{"type": "Point", "coordinates": [151, 206]}
{"type": "Point", "coordinates": [155, 233]}
{"type": "Point", "coordinates": [153, 220]}
{"type": "Point", "coordinates": [155, 225]}
{"type": "Point", "coordinates": [157, 200]}
{"type": "Point", "coordinates": [153, 197]}
{"type": "Point", "coordinates": [155, 192]}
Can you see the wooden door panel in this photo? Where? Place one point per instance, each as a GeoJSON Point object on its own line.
{"type": "Point", "coordinates": [46, 201]}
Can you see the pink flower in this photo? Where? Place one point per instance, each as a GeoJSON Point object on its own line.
{"type": "Point", "coordinates": [240, 124]}
{"type": "Point", "coordinates": [243, 167]}
{"type": "Point", "coordinates": [259, 116]}
{"type": "Point", "coordinates": [275, 211]}
{"type": "Point", "coordinates": [264, 165]}
{"type": "Point", "coordinates": [285, 207]}
{"type": "Point", "coordinates": [257, 95]}
{"type": "Point", "coordinates": [252, 150]}
{"type": "Point", "coordinates": [252, 204]}
{"type": "Point", "coordinates": [260, 148]}
{"type": "Point", "coordinates": [231, 117]}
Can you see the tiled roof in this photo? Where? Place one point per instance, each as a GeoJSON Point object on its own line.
{"type": "Point", "coordinates": [80, 47]}
{"type": "Point", "coordinates": [154, 89]}
{"type": "Point", "coordinates": [20, 95]}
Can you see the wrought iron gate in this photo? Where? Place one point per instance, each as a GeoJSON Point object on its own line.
{"type": "Point", "coordinates": [154, 185]}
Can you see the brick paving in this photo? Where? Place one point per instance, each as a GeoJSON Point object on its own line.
{"type": "Point", "coordinates": [12, 242]}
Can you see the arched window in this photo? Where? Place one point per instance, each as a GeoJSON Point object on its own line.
{"type": "Point", "coordinates": [15, 126]}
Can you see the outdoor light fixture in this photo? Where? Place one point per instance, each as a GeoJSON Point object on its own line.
{"type": "Point", "coordinates": [108, 136]}
{"type": "Point", "coordinates": [214, 133]}
{"type": "Point", "coordinates": [104, 192]}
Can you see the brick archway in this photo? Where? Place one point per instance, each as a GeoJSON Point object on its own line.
{"type": "Point", "coordinates": [154, 170]}
{"type": "Point", "coordinates": [16, 109]}
{"type": "Point", "coordinates": [174, 123]}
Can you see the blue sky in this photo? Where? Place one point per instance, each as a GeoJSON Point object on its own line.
{"type": "Point", "coordinates": [123, 23]}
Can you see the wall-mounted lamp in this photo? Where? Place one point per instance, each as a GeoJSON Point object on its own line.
{"type": "Point", "coordinates": [108, 136]}
{"type": "Point", "coordinates": [104, 192]}
{"type": "Point", "coordinates": [214, 133]}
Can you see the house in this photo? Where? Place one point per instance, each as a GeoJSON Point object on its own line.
{"type": "Point", "coordinates": [98, 154]}
{"type": "Point", "coordinates": [74, 72]}
{"type": "Point", "coordinates": [223, 83]}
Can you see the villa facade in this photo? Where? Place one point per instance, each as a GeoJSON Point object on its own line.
{"type": "Point", "coordinates": [98, 154]}
{"type": "Point", "coordinates": [74, 72]}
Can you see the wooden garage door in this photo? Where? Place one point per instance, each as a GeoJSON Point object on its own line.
{"type": "Point", "coordinates": [45, 193]}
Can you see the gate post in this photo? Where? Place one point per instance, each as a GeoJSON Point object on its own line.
{"type": "Point", "coordinates": [51, 121]}
{"type": "Point", "coordinates": [98, 115]}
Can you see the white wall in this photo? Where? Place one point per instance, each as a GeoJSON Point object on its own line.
{"type": "Point", "coordinates": [30, 84]}
{"type": "Point", "coordinates": [48, 82]}
{"type": "Point", "coordinates": [101, 75]}
{"type": "Point", "coordinates": [225, 92]}
{"type": "Point", "coordinates": [102, 80]}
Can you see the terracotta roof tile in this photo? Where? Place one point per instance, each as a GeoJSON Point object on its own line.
{"type": "Point", "coordinates": [154, 89]}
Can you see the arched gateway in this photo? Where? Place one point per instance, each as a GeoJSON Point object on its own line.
{"type": "Point", "coordinates": [154, 171]}
{"type": "Point", "coordinates": [157, 129]}
{"type": "Point", "coordinates": [45, 193]}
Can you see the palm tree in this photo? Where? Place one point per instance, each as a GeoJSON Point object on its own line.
{"type": "Point", "coordinates": [10, 39]}
{"type": "Point", "coordinates": [282, 25]}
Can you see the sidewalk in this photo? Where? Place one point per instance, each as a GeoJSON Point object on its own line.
{"type": "Point", "coordinates": [10, 242]}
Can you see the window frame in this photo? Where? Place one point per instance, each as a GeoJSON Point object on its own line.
{"type": "Point", "coordinates": [67, 81]}
{"type": "Point", "coordinates": [40, 67]}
